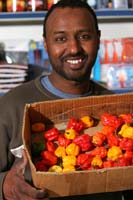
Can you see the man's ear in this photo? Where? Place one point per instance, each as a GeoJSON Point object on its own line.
{"type": "Point", "coordinates": [99, 37]}
{"type": "Point", "coordinates": [45, 44]}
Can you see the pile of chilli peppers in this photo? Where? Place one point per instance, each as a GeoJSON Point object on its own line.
{"type": "Point", "coordinates": [74, 149]}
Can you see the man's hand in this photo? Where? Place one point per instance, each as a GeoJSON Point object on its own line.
{"type": "Point", "coordinates": [16, 188]}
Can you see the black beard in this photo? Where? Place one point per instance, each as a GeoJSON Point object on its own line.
{"type": "Point", "coordinates": [79, 79]}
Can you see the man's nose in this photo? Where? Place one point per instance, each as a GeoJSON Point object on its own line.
{"type": "Point", "coordinates": [74, 46]}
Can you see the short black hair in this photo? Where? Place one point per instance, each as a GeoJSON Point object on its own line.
{"type": "Point", "coordinates": [71, 4]}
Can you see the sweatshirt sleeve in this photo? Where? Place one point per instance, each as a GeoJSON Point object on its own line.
{"type": "Point", "coordinates": [10, 135]}
{"type": "Point", "coordinates": [2, 176]}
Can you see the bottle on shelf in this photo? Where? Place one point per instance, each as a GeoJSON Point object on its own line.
{"type": "Point", "coordinates": [92, 3]}
{"type": "Point", "coordinates": [36, 5]}
{"type": "Point", "coordinates": [50, 3]}
{"type": "Point", "coordinates": [15, 5]}
{"type": "Point", "coordinates": [130, 3]}
{"type": "Point", "coordinates": [105, 63]}
{"type": "Point", "coordinates": [1, 5]}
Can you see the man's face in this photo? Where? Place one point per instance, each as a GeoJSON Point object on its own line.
{"type": "Point", "coordinates": [72, 42]}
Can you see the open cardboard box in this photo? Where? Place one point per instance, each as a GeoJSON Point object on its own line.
{"type": "Point", "coordinates": [79, 182]}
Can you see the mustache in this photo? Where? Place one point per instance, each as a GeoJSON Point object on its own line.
{"type": "Point", "coordinates": [73, 55]}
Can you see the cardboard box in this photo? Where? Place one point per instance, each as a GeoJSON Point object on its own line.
{"type": "Point", "coordinates": [79, 182]}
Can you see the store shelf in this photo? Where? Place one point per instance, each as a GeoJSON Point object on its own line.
{"type": "Point", "coordinates": [37, 17]}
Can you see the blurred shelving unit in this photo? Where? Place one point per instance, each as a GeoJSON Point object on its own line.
{"type": "Point", "coordinates": [37, 17]}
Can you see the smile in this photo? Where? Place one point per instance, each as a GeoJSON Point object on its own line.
{"type": "Point", "coordinates": [77, 61]}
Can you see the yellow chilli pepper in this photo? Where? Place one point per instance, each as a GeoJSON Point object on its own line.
{"type": "Point", "coordinates": [69, 168]}
{"type": "Point", "coordinates": [126, 131]}
{"type": "Point", "coordinates": [70, 134]}
{"type": "Point", "coordinates": [114, 152]}
{"type": "Point", "coordinates": [55, 168]}
{"type": "Point", "coordinates": [72, 149]}
{"type": "Point", "coordinates": [97, 162]}
{"type": "Point", "coordinates": [60, 151]}
{"type": "Point", "coordinates": [88, 121]}
{"type": "Point", "coordinates": [69, 160]}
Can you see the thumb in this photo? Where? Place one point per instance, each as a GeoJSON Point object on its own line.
{"type": "Point", "coordinates": [23, 163]}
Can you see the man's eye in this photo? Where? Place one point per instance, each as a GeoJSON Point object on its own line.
{"type": "Point", "coordinates": [60, 39]}
{"type": "Point", "coordinates": [85, 37]}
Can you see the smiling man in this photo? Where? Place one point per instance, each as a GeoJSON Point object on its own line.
{"type": "Point", "coordinates": [71, 38]}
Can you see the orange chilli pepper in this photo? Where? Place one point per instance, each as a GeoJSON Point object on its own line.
{"type": "Point", "coordinates": [70, 134]}
{"type": "Point", "coordinates": [72, 149]}
{"type": "Point", "coordinates": [88, 121]}
{"type": "Point", "coordinates": [38, 127]}
{"type": "Point", "coordinates": [114, 153]}
{"type": "Point", "coordinates": [98, 139]}
{"type": "Point", "coordinates": [97, 162]}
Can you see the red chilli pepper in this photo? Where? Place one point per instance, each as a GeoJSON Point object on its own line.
{"type": "Point", "coordinates": [108, 163]}
{"type": "Point", "coordinates": [40, 165]}
{"type": "Point", "coordinates": [99, 151]}
{"type": "Point", "coordinates": [52, 134]}
{"type": "Point", "coordinates": [49, 158]}
{"type": "Point", "coordinates": [63, 141]}
{"type": "Point", "coordinates": [111, 120]}
{"type": "Point", "coordinates": [128, 118]}
{"type": "Point", "coordinates": [77, 125]}
{"type": "Point", "coordinates": [128, 155]}
{"type": "Point", "coordinates": [84, 142]}
{"type": "Point", "coordinates": [98, 138]}
{"type": "Point", "coordinates": [83, 161]}
{"type": "Point", "coordinates": [121, 161]}
{"type": "Point", "coordinates": [112, 140]}
{"type": "Point", "coordinates": [126, 144]}
{"type": "Point", "coordinates": [50, 146]}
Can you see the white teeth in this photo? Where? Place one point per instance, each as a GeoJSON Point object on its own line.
{"type": "Point", "coordinates": [74, 61]}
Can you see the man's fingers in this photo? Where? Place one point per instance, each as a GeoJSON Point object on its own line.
{"type": "Point", "coordinates": [22, 164]}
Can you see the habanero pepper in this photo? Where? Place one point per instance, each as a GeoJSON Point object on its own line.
{"type": "Point", "coordinates": [128, 155]}
{"type": "Point", "coordinates": [72, 149]}
{"type": "Point", "coordinates": [55, 168]}
{"type": "Point", "coordinates": [126, 131]}
{"type": "Point", "coordinates": [84, 142]}
{"type": "Point", "coordinates": [111, 120]}
{"type": "Point", "coordinates": [97, 162]}
{"type": "Point", "coordinates": [108, 163]}
{"type": "Point", "coordinates": [126, 144]}
{"type": "Point", "coordinates": [114, 153]}
{"type": "Point", "coordinates": [69, 168]}
{"type": "Point", "coordinates": [83, 161]}
{"type": "Point", "coordinates": [63, 141]}
{"type": "Point", "coordinates": [75, 124]}
{"type": "Point", "coordinates": [121, 161]}
{"type": "Point", "coordinates": [52, 134]}
{"type": "Point", "coordinates": [50, 146]}
{"type": "Point", "coordinates": [88, 121]}
{"type": "Point", "coordinates": [60, 151]}
{"type": "Point", "coordinates": [38, 127]}
{"type": "Point", "coordinates": [49, 158]}
{"type": "Point", "coordinates": [107, 130]}
{"type": "Point", "coordinates": [128, 118]}
{"type": "Point", "coordinates": [69, 160]}
{"type": "Point", "coordinates": [40, 165]}
{"type": "Point", "coordinates": [37, 148]}
{"type": "Point", "coordinates": [113, 140]}
{"type": "Point", "coordinates": [70, 133]}
{"type": "Point", "coordinates": [98, 139]}
{"type": "Point", "coordinates": [99, 151]}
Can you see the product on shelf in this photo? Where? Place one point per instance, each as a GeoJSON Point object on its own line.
{"type": "Point", "coordinates": [1, 6]}
{"type": "Point", "coordinates": [116, 59]}
{"type": "Point", "coordinates": [50, 3]}
{"type": "Point", "coordinates": [36, 5]}
{"type": "Point", "coordinates": [119, 4]}
{"type": "Point", "coordinates": [15, 6]}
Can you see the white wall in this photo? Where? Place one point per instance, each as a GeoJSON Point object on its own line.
{"type": "Point", "coordinates": [26, 32]}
